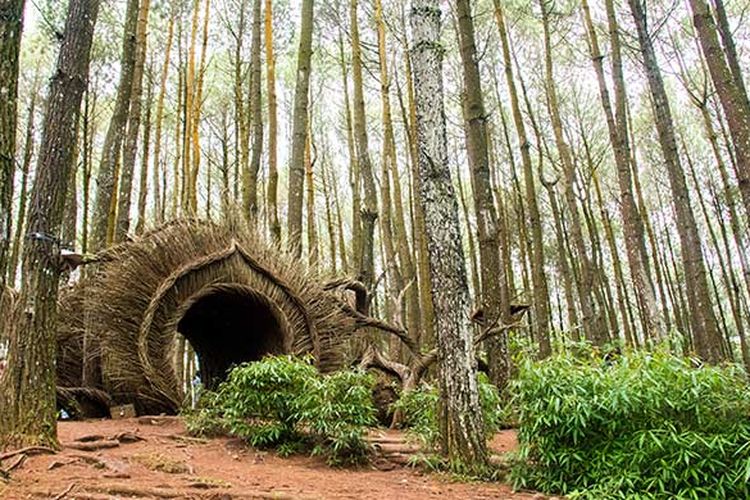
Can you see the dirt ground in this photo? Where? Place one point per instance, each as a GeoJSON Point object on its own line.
{"type": "Point", "coordinates": [168, 464]}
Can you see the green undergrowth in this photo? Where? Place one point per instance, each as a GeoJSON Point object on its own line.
{"type": "Point", "coordinates": [419, 410]}
{"type": "Point", "coordinates": [642, 425]}
{"type": "Point", "coordinates": [283, 403]}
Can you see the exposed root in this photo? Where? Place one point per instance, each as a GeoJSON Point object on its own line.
{"type": "Point", "coordinates": [17, 463]}
{"type": "Point", "coordinates": [65, 492]}
{"type": "Point", "coordinates": [93, 445]}
{"type": "Point", "coordinates": [90, 437]}
{"type": "Point", "coordinates": [127, 437]}
{"type": "Point", "coordinates": [29, 450]}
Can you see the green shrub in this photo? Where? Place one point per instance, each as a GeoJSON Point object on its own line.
{"type": "Point", "coordinates": [419, 409]}
{"type": "Point", "coordinates": [645, 424]}
{"type": "Point", "coordinates": [282, 402]}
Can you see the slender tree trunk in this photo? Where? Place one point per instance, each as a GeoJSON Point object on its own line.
{"type": "Point", "coordinates": [134, 125]}
{"type": "Point", "coordinates": [273, 171]}
{"type": "Point", "coordinates": [11, 26]}
{"type": "Point", "coordinates": [145, 157]}
{"type": "Point", "coordinates": [312, 230]}
{"type": "Point", "coordinates": [158, 201]}
{"type": "Point", "coordinates": [541, 292]}
{"type": "Point", "coordinates": [703, 321]}
{"type": "Point", "coordinates": [251, 197]}
{"type": "Point", "coordinates": [106, 181]}
{"type": "Point", "coordinates": [461, 422]}
{"type": "Point", "coordinates": [27, 395]}
{"type": "Point", "coordinates": [354, 175]}
{"type": "Point", "coordinates": [299, 130]}
{"type": "Point", "coordinates": [494, 287]}
{"type": "Point", "coordinates": [28, 152]}
{"type": "Point", "coordinates": [89, 130]}
{"type": "Point", "coordinates": [369, 211]}
{"type": "Point", "coordinates": [196, 114]}
{"type": "Point", "coordinates": [732, 96]}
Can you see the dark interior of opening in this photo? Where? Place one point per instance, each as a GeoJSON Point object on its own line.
{"type": "Point", "coordinates": [228, 326]}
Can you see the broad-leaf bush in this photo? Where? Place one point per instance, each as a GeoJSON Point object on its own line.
{"type": "Point", "coordinates": [283, 402]}
{"type": "Point", "coordinates": [644, 424]}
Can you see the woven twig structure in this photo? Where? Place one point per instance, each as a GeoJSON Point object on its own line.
{"type": "Point", "coordinates": [234, 295]}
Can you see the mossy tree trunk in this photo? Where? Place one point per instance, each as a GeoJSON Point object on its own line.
{"type": "Point", "coordinates": [27, 395]}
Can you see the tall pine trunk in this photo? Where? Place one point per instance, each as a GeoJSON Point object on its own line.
{"type": "Point", "coordinates": [707, 340]}
{"type": "Point", "coordinates": [27, 396]}
{"type": "Point", "coordinates": [493, 284]}
{"type": "Point", "coordinates": [299, 130]}
{"type": "Point", "coordinates": [460, 416]}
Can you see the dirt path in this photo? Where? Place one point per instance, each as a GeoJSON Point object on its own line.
{"type": "Point", "coordinates": [167, 464]}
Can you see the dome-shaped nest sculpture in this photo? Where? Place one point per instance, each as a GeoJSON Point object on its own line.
{"type": "Point", "coordinates": [233, 295]}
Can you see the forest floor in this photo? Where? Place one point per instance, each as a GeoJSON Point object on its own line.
{"type": "Point", "coordinates": [154, 458]}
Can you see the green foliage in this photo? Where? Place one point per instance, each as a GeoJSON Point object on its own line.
{"type": "Point", "coordinates": [419, 410]}
{"type": "Point", "coordinates": [650, 425]}
{"type": "Point", "coordinates": [283, 402]}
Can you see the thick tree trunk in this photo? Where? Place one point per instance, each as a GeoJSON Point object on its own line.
{"type": "Point", "coordinates": [461, 422]}
{"type": "Point", "coordinates": [27, 395]}
{"type": "Point", "coordinates": [299, 130]}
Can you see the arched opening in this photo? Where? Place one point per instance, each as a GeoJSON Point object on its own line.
{"type": "Point", "coordinates": [232, 324]}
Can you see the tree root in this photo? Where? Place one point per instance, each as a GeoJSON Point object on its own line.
{"type": "Point", "coordinates": [65, 492]}
{"type": "Point", "coordinates": [93, 446]}
{"type": "Point", "coordinates": [29, 450]}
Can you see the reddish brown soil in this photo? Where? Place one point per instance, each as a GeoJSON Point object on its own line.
{"type": "Point", "coordinates": [218, 469]}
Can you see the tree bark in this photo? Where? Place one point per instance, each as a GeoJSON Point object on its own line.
{"type": "Point", "coordinates": [708, 342]}
{"type": "Point", "coordinates": [299, 130]}
{"type": "Point", "coordinates": [134, 125]}
{"type": "Point", "coordinates": [369, 211]}
{"type": "Point", "coordinates": [11, 26]}
{"type": "Point", "coordinates": [461, 422]}
{"type": "Point", "coordinates": [539, 279]}
{"type": "Point", "coordinates": [106, 180]}
{"type": "Point", "coordinates": [27, 395]}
